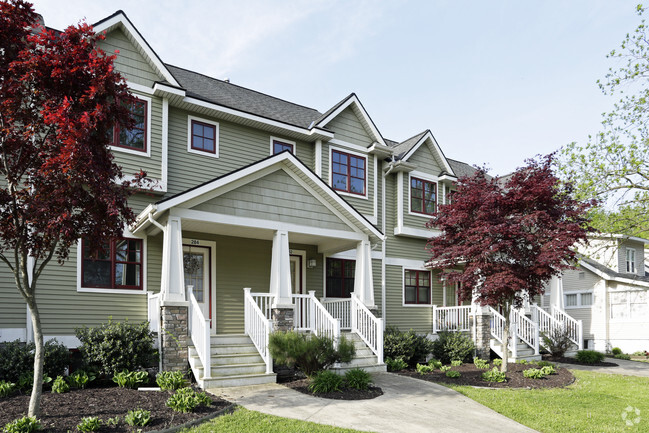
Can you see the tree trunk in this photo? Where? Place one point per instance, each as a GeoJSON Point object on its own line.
{"type": "Point", "coordinates": [39, 360]}
{"type": "Point", "coordinates": [505, 346]}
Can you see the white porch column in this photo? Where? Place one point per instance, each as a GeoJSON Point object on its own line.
{"type": "Point", "coordinates": [173, 278]}
{"type": "Point", "coordinates": [556, 292]}
{"type": "Point", "coordinates": [363, 283]}
{"type": "Point", "coordinates": [280, 270]}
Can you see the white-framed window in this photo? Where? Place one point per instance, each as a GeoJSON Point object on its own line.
{"type": "Point", "coordinates": [630, 260]}
{"type": "Point", "coordinates": [202, 136]}
{"type": "Point", "coordinates": [278, 145]}
{"type": "Point", "coordinates": [629, 305]}
{"type": "Point", "coordinates": [578, 299]}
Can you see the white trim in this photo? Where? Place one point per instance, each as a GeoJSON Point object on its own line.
{"type": "Point", "coordinates": [630, 262]}
{"type": "Point", "coordinates": [409, 263]}
{"type": "Point", "coordinates": [190, 118]}
{"type": "Point", "coordinates": [428, 135]}
{"type": "Point", "coordinates": [281, 140]}
{"type": "Point", "coordinates": [140, 88]}
{"type": "Point", "coordinates": [416, 233]}
{"type": "Point", "coordinates": [164, 88]}
{"type": "Point", "coordinates": [351, 255]}
{"type": "Point", "coordinates": [353, 99]}
{"type": "Point", "coordinates": [165, 142]}
{"type": "Point", "coordinates": [70, 341]}
{"type": "Point", "coordinates": [302, 254]}
{"type": "Point", "coordinates": [367, 173]}
{"type": "Point", "coordinates": [348, 145]}
{"type": "Point", "coordinates": [579, 303]}
{"type": "Point", "coordinates": [111, 291]}
{"type": "Point", "coordinates": [318, 158]}
{"type": "Point", "coordinates": [427, 178]}
{"type": "Point", "coordinates": [11, 334]}
{"type": "Point", "coordinates": [403, 288]}
{"type": "Point", "coordinates": [212, 246]}
{"type": "Point", "coordinates": [146, 154]}
{"type": "Point", "coordinates": [375, 213]}
{"type": "Point", "coordinates": [399, 201]}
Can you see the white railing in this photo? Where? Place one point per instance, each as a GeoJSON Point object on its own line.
{"type": "Point", "coordinates": [265, 303]}
{"type": "Point", "coordinates": [574, 327]}
{"type": "Point", "coordinates": [322, 322]}
{"type": "Point", "coordinates": [257, 326]}
{"type": "Point", "coordinates": [546, 321]}
{"type": "Point", "coordinates": [498, 331]}
{"type": "Point", "coordinates": [527, 330]}
{"type": "Point", "coordinates": [303, 312]}
{"type": "Point", "coordinates": [199, 329]}
{"type": "Point", "coordinates": [367, 326]}
{"type": "Point", "coordinates": [153, 311]}
{"type": "Point", "coordinates": [340, 309]}
{"type": "Point", "coordinates": [452, 318]}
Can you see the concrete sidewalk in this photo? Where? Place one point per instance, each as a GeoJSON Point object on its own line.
{"type": "Point", "coordinates": [408, 405]}
{"type": "Point", "coordinates": [627, 368]}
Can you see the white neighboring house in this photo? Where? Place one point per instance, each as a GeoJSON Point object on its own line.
{"type": "Point", "coordinates": [608, 292]}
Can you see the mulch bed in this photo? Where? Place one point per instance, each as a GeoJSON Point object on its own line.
{"type": "Point", "coordinates": [302, 385]}
{"type": "Point", "coordinates": [62, 412]}
{"type": "Point", "coordinates": [471, 376]}
{"type": "Point", "coordinates": [575, 362]}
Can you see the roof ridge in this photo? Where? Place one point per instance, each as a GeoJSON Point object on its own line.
{"type": "Point", "coordinates": [419, 133]}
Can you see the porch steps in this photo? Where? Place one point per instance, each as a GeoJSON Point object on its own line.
{"type": "Point", "coordinates": [235, 362]}
{"type": "Point", "coordinates": [523, 351]}
{"type": "Point", "coordinates": [364, 357]}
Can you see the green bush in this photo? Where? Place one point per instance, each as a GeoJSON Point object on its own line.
{"type": "Point", "coordinates": [26, 424]}
{"type": "Point", "coordinates": [557, 341]}
{"type": "Point", "coordinates": [494, 375]}
{"type": "Point", "coordinates": [522, 361]}
{"type": "Point", "coordinates": [435, 363]}
{"type": "Point", "coordinates": [453, 374]}
{"type": "Point", "coordinates": [534, 373]}
{"type": "Point", "coordinates": [425, 368]}
{"type": "Point", "coordinates": [17, 359]}
{"type": "Point", "coordinates": [171, 380]}
{"type": "Point", "coordinates": [79, 379]}
{"type": "Point", "coordinates": [409, 346]}
{"type": "Point", "coordinates": [545, 364]}
{"type": "Point", "coordinates": [497, 362]}
{"type": "Point", "coordinates": [89, 423]}
{"type": "Point", "coordinates": [26, 381]}
{"type": "Point", "coordinates": [548, 370]}
{"type": "Point", "coordinates": [623, 356]}
{"type": "Point", "coordinates": [480, 364]}
{"type": "Point", "coordinates": [325, 381]}
{"type": "Point", "coordinates": [130, 379]}
{"type": "Point", "coordinates": [444, 368]}
{"type": "Point", "coordinates": [186, 400]}
{"type": "Point", "coordinates": [395, 364]}
{"type": "Point", "coordinates": [616, 351]}
{"type": "Point", "coordinates": [453, 346]}
{"type": "Point", "coordinates": [138, 417]}
{"type": "Point", "coordinates": [456, 363]}
{"type": "Point", "coordinates": [6, 388]}
{"type": "Point", "coordinates": [60, 386]}
{"type": "Point", "coordinates": [357, 378]}
{"type": "Point", "coordinates": [308, 353]}
{"type": "Point", "coordinates": [589, 356]}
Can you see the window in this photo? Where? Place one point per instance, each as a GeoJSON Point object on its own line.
{"type": "Point", "coordinates": [416, 287]}
{"type": "Point", "coordinates": [422, 196]}
{"type": "Point", "coordinates": [134, 138]}
{"type": "Point", "coordinates": [118, 265]}
{"type": "Point", "coordinates": [280, 146]}
{"type": "Point", "coordinates": [347, 172]}
{"type": "Point", "coordinates": [630, 260]}
{"type": "Point", "coordinates": [629, 305]}
{"type": "Point", "coordinates": [340, 278]}
{"type": "Point", "coordinates": [203, 137]}
{"type": "Point", "coordinates": [578, 300]}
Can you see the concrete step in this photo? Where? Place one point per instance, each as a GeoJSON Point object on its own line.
{"type": "Point", "coordinates": [234, 370]}
{"type": "Point", "coordinates": [228, 339]}
{"type": "Point", "coordinates": [233, 349]}
{"type": "Point", "coordinates": [239, 380]}
{"type": "Point", "coordinates": [237, 358]}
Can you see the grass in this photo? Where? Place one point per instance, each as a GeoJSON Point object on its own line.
{"type": "Point", "coordinates": [594, 403]}
{"type": "Point", "coordinates": [247, 421]}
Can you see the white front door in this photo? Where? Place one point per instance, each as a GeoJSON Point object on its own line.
{"type": "Point", "coordinates": [196, 260]}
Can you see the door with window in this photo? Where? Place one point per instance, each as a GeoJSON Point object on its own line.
{"type": "Point", "coordinates": [196, 262]}
{"type": "Point", "coordinates": [296, 282]}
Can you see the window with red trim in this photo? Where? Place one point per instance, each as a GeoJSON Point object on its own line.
{"type": "Point", "coordinates": [423, 196]}
{"type": "Point", "coordinates": [348, 172]}
{"type": "Point", "coordinates": [416, 287]}
{"type": "Point", "coordinates": [280, 146]}
{"type": "Point", "coordinates": [203, 137]}
{"type": "Point", "coordinates": [340, 278]}
{"type": "Point", "coordinates": [135, 137]}
{"type": "Point", "coordinates": [118, 265]}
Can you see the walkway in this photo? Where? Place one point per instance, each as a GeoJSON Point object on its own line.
{"type": "Point", "coordinates": [627, 368]}
{"type": "Point", "coordinates": [408, 405]}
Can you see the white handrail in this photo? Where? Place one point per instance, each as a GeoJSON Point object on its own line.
{"type": "Point", "coordinates": [199, 329]}
{"type": "Point", "coordinates": [528, 331]}
{"type": "Point", "coordinates": [303, 312]}
{"type": "Point", "coordinates": [265, 303]}
{"type": "Point", "coordinates": [340, 309]}
{"type": "Point", "coordinates": [574, 327]}
{"type": "Point", "coordinates": [153, 311]}
{"type": "Point", "coordinates": [452, 318]}
{"type": "Point", "coordinates": [258, 327]}
{"type": "Point", "coordinates": [498, 331]}
{"type": "Point", "coordinates": [322, 323]}
{"type": "Point", "coordinates": [367, 326]}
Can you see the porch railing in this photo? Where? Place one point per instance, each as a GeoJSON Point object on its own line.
{"type": "Point", "coordinates": [528, 331]}
{"type": "Point", "coordinates": [302, 316]}
{"type": "Point", "coordinates": [574, 327]}
{"type": "Point", "coordinates": [340, 309]}
{"type": "Point", "coordinates": [322, 322]}
{"type": "Point", "coordinates": [265, 303]}
{"type": "Point", "coordinates": [153, 311]}
{"type": "Point", "coordinates": [452, 318]}
{"type": "Point", "coordinates": [199, 329]}
{"type": "Point", "coordinates": [498, 331]}
{"type": "Point", "coordinates": [367, 326]}
{"type": "Point", "coordinates": [257, 326]}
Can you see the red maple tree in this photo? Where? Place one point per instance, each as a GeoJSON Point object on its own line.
{"type": "Point", "coordinates": [59, 100]}
{"type": "Point", "coordinates": [504, 238]}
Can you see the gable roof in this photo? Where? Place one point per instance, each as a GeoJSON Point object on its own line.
{"type": "Point", "coordinates": [609, 274]}
{"type": "Point", "coordinates": [407, 148]}
{"type": "Point", "coordinates": [352, 101]}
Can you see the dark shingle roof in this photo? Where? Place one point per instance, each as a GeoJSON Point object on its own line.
{"type": "Point", "coordinates": [239, 98]}
{"type": "Point", "coordinates": [612, 273]}
{"type": "Point", "coordinates": [461, 169]}
{"type": "Point", "coordinates": [402, 148]}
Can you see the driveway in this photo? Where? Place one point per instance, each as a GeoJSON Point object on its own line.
{"type": "Point", "coordinates": [627, 368]}
{"type": "Point", "coordinates": [407, 405]}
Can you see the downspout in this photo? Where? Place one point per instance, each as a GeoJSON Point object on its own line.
{"type": "Point", "coordinates": [385, 236]}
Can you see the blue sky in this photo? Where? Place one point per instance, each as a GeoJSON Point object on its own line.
{"type": "Point", "coordinates": [496, 82]}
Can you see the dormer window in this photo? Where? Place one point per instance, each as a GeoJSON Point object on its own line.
{"type": "Point", "coordinates": [423, 195]}
{"type": "Point", "coordinates": [630, 260]}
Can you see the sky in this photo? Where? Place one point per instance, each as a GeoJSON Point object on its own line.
{"type": "Point", "coordinates": [496, 82]}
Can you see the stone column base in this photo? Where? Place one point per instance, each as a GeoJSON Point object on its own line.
{"type": "Point", "coordinates": [175, 338]}
{"type": "Point", "coordinates": [283, 318]}
{"type": "Point", "coordinates": [483, 336]}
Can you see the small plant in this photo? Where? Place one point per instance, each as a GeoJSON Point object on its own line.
{"type": "Point", "coordinates": [623, 356]}
{"type": "Point", "coordinates": [358, 378]}
{"type": "Point", "coordinates": [616, 351]}
{"type": "Point", "coordinates": [452, 346]}
{"type": "Point", "coordinates": [453, 374]}
{"type": "Point", "coordinates": [79, 379]}
{"type": "Point", "coordinates": [494, 375]}
{"type": "Point", "coordinates": [444, 368]}
{"type": "Point", "coordinates": [497, 362]}
{"type": "Point", "coordinates": [186, 400]}
{"type": "Point", "coordinates": [456, 362]}
{"type": "Point", "coordinates": [395, 364]}
{"type": "Point", "coordinates": [548, 370]}
{"type": "Point", "coordinates": [640, 353]}
{"type": "Point", "coordinates": [89, 423]}
{"type": "Point", "coordinates": [325, 381]}
{"type": "Point", "coordinates": [130, 379]}
{"type": "Point", "coordinates": [138, 417]}
{"type": "Point", "coordinates": [60, 386]}
{"type": "Point", "coordinates": [26, 424]}
{"type": "Point", "coordinates": [6, 388]}
{"type": "Point", "coordinates": [26, 381]}
{"type": "Point", "coordinates": [545, 364]}
{"type": "Point", "coordinates": [435, 363]}
{"type": "Point", "coordinates": [589, 356]}
{"type": "Point", "coordinates": [112, 421]}
{"type": "Point", "coordinates": [480, 364]}
{"type": "Point", "coordinates": [522, 361]}
{"type": "Point", "coordinates": [533, 373]}
{"type": "Point", "coordinates": [171, 380]}
{"type": "Point", "coordinates": [557, 341]}
{"type": "Point", "coordinates": [424, 368]}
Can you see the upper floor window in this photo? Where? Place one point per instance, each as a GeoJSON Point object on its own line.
{"type": "Point", "coordinates": [416, 287]}
{"type": "Point", "coordinates": [202, 136]}
{"type": "Point", "coordinates": [118, 265]}
{"type": "Point", "coordinates": [134, 138]}
{"type": "Point", "coordinates": [340, 278]}
{"type": "Point", "coordinates": [423, 195]}
{"type": "Point", "coordinates": [278, 146]}
{"type": "Point", "coordinates": [630, 260]}
{"type": "Point", "coordinates": [577, 300]}
{"type": "Point", "coordinates": [348, 172]}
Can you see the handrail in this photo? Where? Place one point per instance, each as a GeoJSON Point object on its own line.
{"type": "Point", "coordinates": [574, 327]}
{"type": "Point", "coordinates": [322, 323]}
{"type": "Point", "coordinates": [302, 313]}
{"type": "Point", "coordinates": [528, 331]}
{"type": "Point", "coordinates": [258, 327]}
{"type": "Point", "coordinates": [452, 318]}
{"type": "Point", "coordinates": [199, 329]}
{"type": "Point", "coordinates": [265, 303]}
{"type": "Point", "coordinates": [340, 309]}
{"type": "Point", "coordinates": [367, 326]}
{"type": "Point", "coordinates": [498, 331]}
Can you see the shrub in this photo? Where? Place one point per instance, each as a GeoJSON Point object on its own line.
{"type": "Point", "coordinates": [60, 386]}
{"type": "Point", "coordinates": [497, 362]}
{"type": "Point", "coordinates": [548, 370]}
{"type": "Point", "coordinates": [308, 353]}
{"type": "Point", "coordinates": [456, 363]}
{"type": "Point", "coordinates": [395, 364]}
{"type": "Point", "coordinates": [494, 375]}
{"type": "Point", "coordinates": [640, 353]}
{"type": "Point", "coordinates": [444, 368]}
{"type": "Point", "coordinates": [589, 356]}
{"type": "Point", "coordinates": [434, 363]}
{"type": "Point", "coordinates": [79, 379]}
{"type": "Point", "coordinates": [6, 388]}
{"type": "Point", "coordinates": [409, 346]}
{"type": "Point", "coordinates": [138, 417]}
{"type": "Point", "coordinates": [616, 351]}
{"type": "Point", "coordinates": [325, 381]}
{"type": "Point", "coordinates": [534, 373]}
{"type": "Point", "coordinates": [480, 364]}
{"type": "Point", "coordinates": [26, 381]}
{"type": "Point", "coordinates": [17, 359]}
{"type": "Point", "coordinates": [130, 379]}
{"type": "Point", "coordinates": [623, 356]}
{"type": "Point", "coordinates": [171, 380]}
{"type": "Point", "coordinates": [453, 346]}
{"type": "Point", "coordinates": [453, 374]}
{"type": "Point", "coordinates": [424, 368]}
{"type": "Point", "coordinates": [557, 341]}
{"type": "Point", "coordinates": [89, 423]}
{"type": "Point", "coordinates": [117, 346]}
{"type": "Point", "coordinates": [357, 378]}
{"type": "Point", "coordinates": [26, 424]}
{"type": "Point", "coordinates": [186, 400]}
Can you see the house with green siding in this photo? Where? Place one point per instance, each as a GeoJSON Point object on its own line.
{"type": "Point", "coordinates": [265, 215]}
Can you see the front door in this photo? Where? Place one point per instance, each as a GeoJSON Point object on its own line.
{"type": "Point", "coordinates": [296, 274]}
{"type": "Point", "coordinates": [196, 261]}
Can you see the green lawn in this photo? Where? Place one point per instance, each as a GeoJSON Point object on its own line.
{"type": "Point", "coordinates": [594, 403]}
{"type": "Point", "coordinates": [246, 421]}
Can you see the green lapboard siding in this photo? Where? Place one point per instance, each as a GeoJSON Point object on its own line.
{"type": "Point", "coordinates": [276, 197]}
{"type": "Point", "coordinates": [376, 277]}
{"type": "Point", "coordinates": [129, 61]}
{"type": "Point", "coordinates": [13, 309]}
{"type": "Point", "coordinates": [154, 262]}
{"type": "Point", "coordinates": [426, 163]}
{"type": "Point", "coordinates": [418, 318]}
{"type": "Point", "coordinates": [137, 202]}
{"type": "Point", "coordinates": [347, 127]}
{"type": "Point", "coordinates": [304, 152]}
